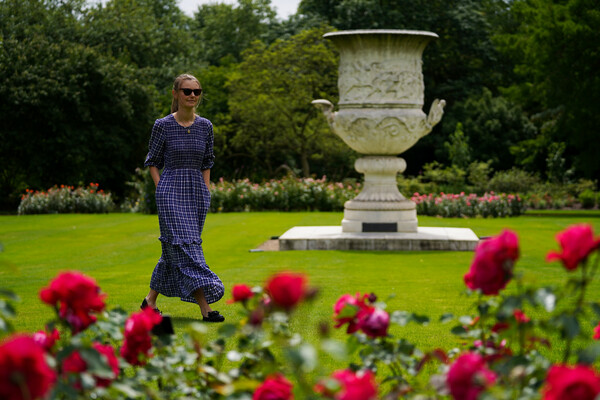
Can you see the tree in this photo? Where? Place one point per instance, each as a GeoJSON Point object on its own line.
{"type": "Point", "coordinates": [69, 114]}
{"type": "Point", "coordinates": [223, 30]}
{"type": "Point", "coordinates": [270, 100]}
{"type": "Point", "coordinates": [555, 46]}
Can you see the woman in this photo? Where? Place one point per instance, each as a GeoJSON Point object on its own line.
{"type": "Point", "coordinates": [182, 143]}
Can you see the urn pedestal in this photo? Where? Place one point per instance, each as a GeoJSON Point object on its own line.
{"type": "Point", "coordinates": [380, 115]}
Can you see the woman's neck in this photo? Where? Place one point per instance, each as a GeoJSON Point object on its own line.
{"type": "Point", "coordinates": [184, 116]}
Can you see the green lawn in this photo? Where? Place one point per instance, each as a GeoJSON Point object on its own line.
{"type": "Point", "coordinates": [120, 251]}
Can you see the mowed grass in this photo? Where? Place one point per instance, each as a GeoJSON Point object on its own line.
{"type": "Point", "coordinates": [120, 251]}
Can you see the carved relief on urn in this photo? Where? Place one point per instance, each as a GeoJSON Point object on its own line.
{"type": "Point", "coordinates": [380, 114]}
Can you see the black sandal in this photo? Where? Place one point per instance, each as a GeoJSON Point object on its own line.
{"type": "Point", "coordinates": [145, 305]}
{"type": "Point", "coordinates": [213, 316]}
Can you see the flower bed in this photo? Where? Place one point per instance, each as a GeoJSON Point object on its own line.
{"type": "Point", "coordinates": [472, 205]}
{"type": "Point", "coordinates": [66, 199]}
{"type": "Point", "coordinates": [288, 194]}
{"type": "Point", "coordinates": [90, 352]}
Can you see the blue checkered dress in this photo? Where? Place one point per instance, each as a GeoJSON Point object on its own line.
{"type": "Point", "coordinates": [182, 199]}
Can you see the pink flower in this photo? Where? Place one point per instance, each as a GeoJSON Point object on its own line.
{"type": "Point", "coordinates": [353, 386]}
{"type": "Point", "coordinates": [78, 296]}
{"type": "Point", "coordinates": [240, 293]}
{"type": "Point", "coordinates": [597, 332]}
{"type": "Point", "coordinates": [24, 373]}
{"type": "Point", "coordinates": [46, 339]}
{"type": "Point", "coordinates": [287, 289]}
{"type": "Point", "coordinates": [350, 310]}
{"type": "Point", "coordinates": [577, 242]}
{"type": "Point", "coordinates": [492, 265]}
{"type": "Point", "coordinates": [375, 323]}
{"type": "Point", "coordinates": [567, 383]}
{"type": "Point", "coordinates": [137, 344]}
{"type": "Point", "coordinates": [468, 376]}
{"type": "Point", "coordinates": [275, 387]}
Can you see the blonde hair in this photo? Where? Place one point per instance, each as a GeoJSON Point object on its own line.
{"type": "Point", "coordinates": [177, 85]}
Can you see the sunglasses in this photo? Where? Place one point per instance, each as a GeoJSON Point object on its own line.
{"type": "Point", "coordinates": [187, 92]}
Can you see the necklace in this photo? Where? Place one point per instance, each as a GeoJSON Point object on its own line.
{"type": "Point", "coordinates": [185, 124]}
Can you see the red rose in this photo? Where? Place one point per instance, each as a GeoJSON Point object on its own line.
{"type": "Point", "coordinates": [355, 385]}
{"type": "Point", "coordinates": [46, 339]}
{"type": "Point", "coordinates": [597, 332]}
{"type": "Point", "coordinates": [350, 310]}
{"type": "Point", "coordinates": [375, 323]}
{"type": "Point", "coordinates": [566, 383]}
{"type": "Point", "coordinates": [77, 296]}
{"type": "Point", "coordinates": [521, 317]}
{"type": "Point", "coordinates": [74, 363]}
{"type": "Point", "coordinates": [287, 289]}
{"type": "Point", "coordinates": [240, 293]}
{"type": "Point", "coordinates": [577, 243]}
{"type": "Point", "coordinates": [137, 344]}
{"type": "Point", "coordinates": [275, 387]}
{"type": "Point", "coordinates": [24, 373]}
{"type": "Point", "coordinates": [468, 376]}
{"type": "Point", "coordinates": [492, 265]}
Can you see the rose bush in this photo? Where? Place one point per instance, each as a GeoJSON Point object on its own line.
{"type": "Point", "coordinates": [504, 353]}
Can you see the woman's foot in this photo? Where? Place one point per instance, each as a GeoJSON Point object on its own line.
{"type": "Point", "coordinates": [146, 305]}
{"type": "Point", "coordinates": [213, 316]}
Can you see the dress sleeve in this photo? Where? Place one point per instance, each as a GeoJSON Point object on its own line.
{"type": "Point", "coordinates": [156, 147]}
{"type": "Point", "coordinates": [209, 155]}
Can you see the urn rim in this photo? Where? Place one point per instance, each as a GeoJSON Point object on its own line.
{"type": "Point", "coordinates": [398, 32]}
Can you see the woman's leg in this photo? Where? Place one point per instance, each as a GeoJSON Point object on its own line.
{"type": "Point", "coordinates": [201, 300]}
{"type": "Point", "coordinates": [151, 298]}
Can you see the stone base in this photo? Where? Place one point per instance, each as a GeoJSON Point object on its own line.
{"type": "Point", "coordinates": [332, 238]}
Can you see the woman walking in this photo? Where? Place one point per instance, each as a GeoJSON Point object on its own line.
{"type": "Point", "coordinates": [182, 143]}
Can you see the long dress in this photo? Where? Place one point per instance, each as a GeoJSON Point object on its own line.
{"type": "Point", "coordinates": [182, 200]}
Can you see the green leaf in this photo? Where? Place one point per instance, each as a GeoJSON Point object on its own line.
{"type": "Point", "coordinates": [508, 307]}
{"type": "Point", "coordinates": [227, 330]}
{"type": "Point", "coordinates": [589, 355]}
{"type": "Point", "coordinates": [9, 294]}
{"type": "Point", "coordinates": [596, 308]}
{"type": "Point", "coordinates": [7, 309]}
{"type": "Point", "coordinates": [400, 317]}
{"type": "Point", "coordinates": [445, 318]}
{"type": "Point", "coordinates": [458, 330]}
{"type": "Point", "coordinates": [569, 326]}
{"type": "Point", "coordinates": [348, 311]}
{"type": "Point", "coordinates": [335, 349]}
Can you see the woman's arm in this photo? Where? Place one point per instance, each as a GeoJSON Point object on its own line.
{"type": "Point", "coordinates": [155, 174]}
{"type": "Point", "coordinates": [206, 176]}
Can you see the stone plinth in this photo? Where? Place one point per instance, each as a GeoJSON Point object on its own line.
{"type": "Point", "coordinates": [332, 238]}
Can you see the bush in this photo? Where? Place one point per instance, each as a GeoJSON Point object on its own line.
{"type": "Point", "coordinates": [461, 205]}
{"type": "Point", "coordinates": [143, 196]}
{"type": "Point", "coordinates": [288, 194]}
{"type": "Point", "coordinates": [587, 198]}
{"type": "Point", "coordinates": [66, 199]}
{"type": "Point", "coordinates": [513, 181]}
{"type": "Point", "coordinates": [86, 351]}
{"type": "Point", "coordinates": [447, 179]}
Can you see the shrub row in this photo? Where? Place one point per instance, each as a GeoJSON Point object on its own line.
{"type": "Point", "coordinates": [462, 205]}
{"type": "Point", "coordinates": [288, 194]}
{"type": "Point", "coordinates": [66, 199]}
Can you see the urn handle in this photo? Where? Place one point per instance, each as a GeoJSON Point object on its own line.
{"type": "Point", "coordinates": [327, 108]}
{"type": "Point", "coordinates": [435, 113]}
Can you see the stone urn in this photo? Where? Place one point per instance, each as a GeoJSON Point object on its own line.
{"type": "Point", "coordinates": [380, 115]}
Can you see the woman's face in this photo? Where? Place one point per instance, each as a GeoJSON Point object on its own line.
{"type": "Point", "coordinates": [188, 95]}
